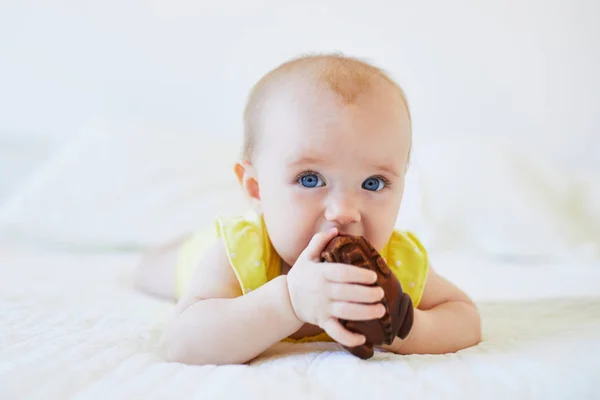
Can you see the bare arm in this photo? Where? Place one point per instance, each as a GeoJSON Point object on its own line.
{"type": "Point", "coordinates": [215, 324]}
{"type": "Point", "coordinates": [446, 321]}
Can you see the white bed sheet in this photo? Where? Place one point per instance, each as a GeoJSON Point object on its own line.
{"type": "Point", "coordinates": [72, 327]}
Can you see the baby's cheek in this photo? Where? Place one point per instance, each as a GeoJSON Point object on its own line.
{"type": "Point", "coordinates": [379, 230]}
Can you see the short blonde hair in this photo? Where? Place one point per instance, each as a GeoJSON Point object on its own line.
{"type": "Point", "coordinates": [346, 76]}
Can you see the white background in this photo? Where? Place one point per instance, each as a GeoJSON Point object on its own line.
{"type": "Point", "coordinates": [523, 69]}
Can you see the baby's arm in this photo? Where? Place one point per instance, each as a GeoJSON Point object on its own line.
{"type": "Point", "coordinates": [215, 324]}
{"type": "Point", "coordinates": [445, 321]}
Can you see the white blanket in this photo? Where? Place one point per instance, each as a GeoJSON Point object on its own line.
{"type": "Point", "coordinates": [71, 326]}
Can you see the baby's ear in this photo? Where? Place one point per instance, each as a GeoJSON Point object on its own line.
{"type": "Point", "coordinates": [244, 172]}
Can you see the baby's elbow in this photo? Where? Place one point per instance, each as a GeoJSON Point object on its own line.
{"type": "Point", "coordinates": [179, 348]}
{"type": "Point", "coordinates": [175, 355]}
{"type": "Point", "coordinates": [174, 348]}
{"type": "Point", "coordinates": [179, 352]}
{"type": "Point", "coordinates": [176, 352]}
{"type": "Point", "coordinates": [477, 335]}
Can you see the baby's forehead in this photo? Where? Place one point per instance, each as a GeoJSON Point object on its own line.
{"type": "Point", "coordinates": [306, 103]}
{"type": "Point", "coordinates": [323, 126]}
{"type": "Point", "coordinates": [326, 95]}
{"type": "Point", "coordinates": [301, 99]}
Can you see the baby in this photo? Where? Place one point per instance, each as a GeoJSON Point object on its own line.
{"type": "Point", "coordinates": [326, 149]}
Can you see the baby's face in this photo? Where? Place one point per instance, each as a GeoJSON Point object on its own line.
{"type": "Point", "coordinates": [322, 164]}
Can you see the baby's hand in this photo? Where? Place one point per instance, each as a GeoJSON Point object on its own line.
{"type": "Point", "coordinates": [323, 292]}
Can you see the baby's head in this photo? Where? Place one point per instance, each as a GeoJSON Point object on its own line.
{"type": "Point", "coordinates": [326, 144]}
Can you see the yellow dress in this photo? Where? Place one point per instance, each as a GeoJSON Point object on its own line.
{"type": "Point", "coordinates": [255, 262]}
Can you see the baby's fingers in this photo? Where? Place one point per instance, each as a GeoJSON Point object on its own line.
{"type": "Point", "coordinates": [317, 244]}
{"type": "Point", "coordinates": [346, 273]}
{"type": "Point", "coordinates": [354, 293]}
{"type": "Point", "coordinates": [341, 335]}
{"type": "Point", "coordinates": [355, 311]}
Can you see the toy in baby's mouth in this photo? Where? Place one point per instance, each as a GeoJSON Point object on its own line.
{"type": "Point", "coordinates": [398, 319]}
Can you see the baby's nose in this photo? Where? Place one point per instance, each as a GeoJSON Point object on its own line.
{"type": "Point", "coordinates": [343, 210]}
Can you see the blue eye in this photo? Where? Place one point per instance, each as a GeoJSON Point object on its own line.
{"type": "Point", "coordinates": [373, 184]}
{"type": "Point", "coordinates": [310, 181]}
